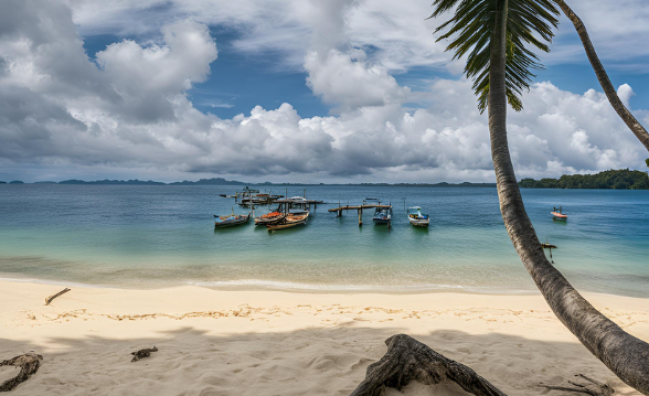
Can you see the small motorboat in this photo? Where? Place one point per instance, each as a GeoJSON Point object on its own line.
{"type": "Point", "coordinates": [383, 215]}
{"type": "Point", "coordinates": [417, 218]}
{"type": "Point", "coordinates": [231, 220]}
{"type": "Point", "coordinates": [558, 214]}
{"type": "Point", "coordinates": [270, 218]}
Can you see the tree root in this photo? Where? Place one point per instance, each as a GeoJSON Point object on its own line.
{"type": "Point", "coordinates": [51, 298]}
{"type": "Point", "coordinates": [142, 353]}
{"type": "Point", "coordinates": [408, 359]}
{"type": "Point", "coordinates": [28, 363]}
{"type": "Point", "coordinates": [595, 388]}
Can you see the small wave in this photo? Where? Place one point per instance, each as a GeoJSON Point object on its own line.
{"type": "Point", "coordinates": [248, 284]}
{"type": "Point", "coordinates": [52, 282]}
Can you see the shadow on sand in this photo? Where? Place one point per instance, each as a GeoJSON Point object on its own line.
{"type": "Point", "coordinates": [318, 361]}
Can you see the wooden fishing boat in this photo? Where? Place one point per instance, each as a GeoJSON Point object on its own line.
{"type": "Point", "coordinates": [558, 214]}
{"type": "Point", "coordinates": [291, 220]}
{"type": "Point", "coordinates": [231, 220]}
{"type": "Point", "coordinates": [270, 218]}
{"type": "Point", "coordinates": [283, 226]}
{"type": "Point", "coordinates": [417, 218]}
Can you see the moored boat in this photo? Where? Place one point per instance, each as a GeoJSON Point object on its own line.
{"type": "Point", "coordinates": [291, 220]}
{"type": "Point", "coordinates": [558, 214]}
{"type": "Point", "coordinates": [283, 226]}
{"type": "Point", "coordinates": [383, 215]}
{"type": "Point", "coordinates": [231, 220]}
{"type": "Point", "coordinates": [270, 218]}
{"type": "Point", "coordinates": [417, 218]}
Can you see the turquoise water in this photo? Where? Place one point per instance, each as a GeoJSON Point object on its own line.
{"type": "Point", "coordinates": [153, 236]}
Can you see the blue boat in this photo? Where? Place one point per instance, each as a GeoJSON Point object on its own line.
{"type": "Point", "coordinates": [383, 215]}
{"type": "Point", "coordinates": [231, 220]}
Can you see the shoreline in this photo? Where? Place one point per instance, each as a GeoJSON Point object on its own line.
{"type": "Point", "coordinates": [258, 285]}
{"type": "Point", "coordinates": [255, 285]}
{"type": "Point", "coordinates": [215, 342]}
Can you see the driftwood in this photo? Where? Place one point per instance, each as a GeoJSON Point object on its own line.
{"type": "Point", "coordinates": [51, 298]}
{"type": "Point", "coordinates": [595, 388]}
{"type": "Point", "coordinates": [408, 359]}
{"type": "Point", "coordinates": [142, 353]}
{"type": "Point", "coordinates": [28, 363]}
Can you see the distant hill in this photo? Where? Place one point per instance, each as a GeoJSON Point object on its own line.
{"type": "Point", "coordinates": [16, 182]}
{"type": "Point", "coordinates": [623, 179]}
{"type": "Point", "coordinates": [220, 182]}
{"type": "Point", "coordinates": [214, 181]}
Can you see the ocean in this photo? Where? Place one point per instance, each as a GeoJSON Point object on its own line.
{"type": "Point", "coordinates": [160, 236]}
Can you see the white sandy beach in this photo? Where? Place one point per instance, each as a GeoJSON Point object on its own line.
{"type": "Point", "coordinates": [281, 343]}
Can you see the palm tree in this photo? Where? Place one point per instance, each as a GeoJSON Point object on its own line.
{"type": "Point", "coordinates": [493, 33]}
{"type": "Point", "coordinates": [634, 125]}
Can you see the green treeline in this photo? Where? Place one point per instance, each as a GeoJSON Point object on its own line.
{"type": "Point", "coordinates": [622, 179]}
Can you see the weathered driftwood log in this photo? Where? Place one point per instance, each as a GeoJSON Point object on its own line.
{"type": "Point", "coordinates": [408, 359]}
{"type": "Point", "coordinates": [28, 363]}
{"type": "Point", "coordinates": [142, 353]}
{"type": "Point", "coordinates": [594, 388]}
{"type": "Point", "coordinates": [51, 298]}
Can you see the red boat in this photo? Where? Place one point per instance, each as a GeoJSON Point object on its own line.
{"type": "Point", "coordinates": [558, 215]}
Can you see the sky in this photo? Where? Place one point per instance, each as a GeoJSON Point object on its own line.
{"type": "Point", "coordinates": [338, 91]}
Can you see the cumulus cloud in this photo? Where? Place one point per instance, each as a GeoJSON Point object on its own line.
{"type": "Point", "coordinates": [129, 111]}
{"type": "Point", "coordinates": [348, 81]}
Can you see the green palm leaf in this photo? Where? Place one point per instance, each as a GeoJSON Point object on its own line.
{"type": "Point", "coordinates": [530, 24]}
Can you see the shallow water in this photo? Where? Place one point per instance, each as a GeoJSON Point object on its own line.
{"type": "Point", "coordinates": [152, 236]}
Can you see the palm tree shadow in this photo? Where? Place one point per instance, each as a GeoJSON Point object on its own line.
{"type": "Point", "coordinates": [316, 361]}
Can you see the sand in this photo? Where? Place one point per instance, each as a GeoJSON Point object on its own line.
{"type": "Point", "coordinates": [282, 343]}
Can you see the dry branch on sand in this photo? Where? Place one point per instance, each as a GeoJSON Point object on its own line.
{"type": "Point", "coordinates": [49, 299]}
{"type": "Point", "coordinates": [143, 353]}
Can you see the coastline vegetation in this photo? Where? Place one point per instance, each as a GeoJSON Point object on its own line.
{"type": "Point", "coordinates": [623, 179]}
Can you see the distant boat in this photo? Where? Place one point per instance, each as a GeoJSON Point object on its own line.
{"type": "Point", "coordinates": [270, 218]}
{"type": "Point", "coordinates": [231, 220]}
{"type": "Point", "coordinates": [383, 215]}
{"type": "Point", "coordinates": [558, 214]}
{"type": "Point", "coordinates": [417, 218]}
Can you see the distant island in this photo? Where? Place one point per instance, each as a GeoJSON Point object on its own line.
{"type": "Point", "coordinates": [623, 179]}
{"type": "Point", "coordinates": [222, 182]}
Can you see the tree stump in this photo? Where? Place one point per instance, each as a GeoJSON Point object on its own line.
{"type": "Point", "coordinates": [28, 363]}
{"type": "Point", "coordinates": [408, 359]}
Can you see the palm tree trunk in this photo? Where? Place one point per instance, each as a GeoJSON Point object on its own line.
{"type": "Point", "coordinates": [634, 125]}
{"type": "Point", "coordinates": [625, 355]}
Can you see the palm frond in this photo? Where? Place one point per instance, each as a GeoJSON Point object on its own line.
{"type": "Point", "coordinates": [530, 26]}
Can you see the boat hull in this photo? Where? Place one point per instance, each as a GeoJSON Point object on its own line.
{"type": "Point", "coordinates": [269, 221]}
{"type": "Point", "coordinates": [381, 220]}
{"type": "Point", "coordinates": [419, 222]}
{"type": "Point", "coordinates": [233, 222]}
{"type": "Point", "coordinates": [559, 216]}
{"type": "Point", "coordinates": [284, 226]}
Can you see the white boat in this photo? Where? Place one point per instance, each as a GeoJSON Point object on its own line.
{"type": "Point", "coordinates": [417, 218]}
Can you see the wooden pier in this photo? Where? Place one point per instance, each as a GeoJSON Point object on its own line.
{"type": "Point", "coordinates": [359, 208]}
